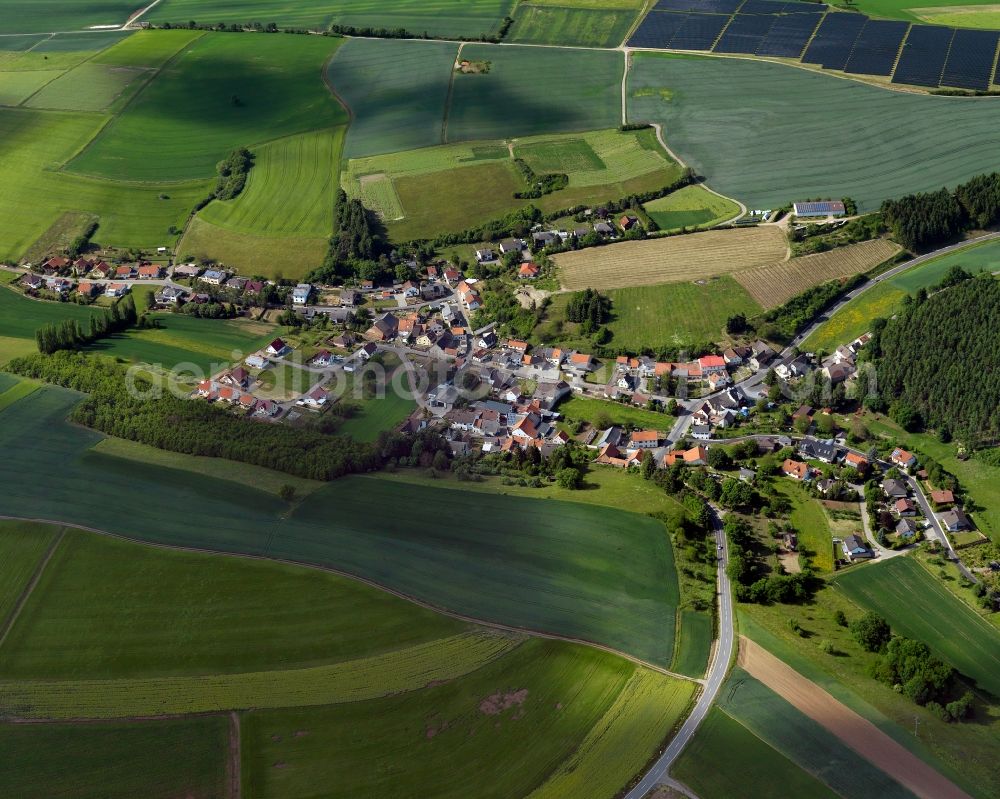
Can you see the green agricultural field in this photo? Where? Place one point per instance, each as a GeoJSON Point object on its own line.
{"type": "Point", "coordinates": [536, 707]}
{"type": "Point", "coordinates": [963, 13]}
{"type": "Point", "coordinates": [33, 144]}
{"type": "Point", "coordinates": [726, 759]}
{"type": "Point", "coordinates": [44, 16]}
{"type": "Point", "coordinates": [618, 588]}
{"type": "Point", "coordinates": [154, 759]}
{"type": "Point", "coordinates": [695, 643]}
{"type": "Point", "coordinates": [918, 606]}
{"type": "Point", "coordinates": [203, 346]}
{"type": "Point", "coordinates": [854, 319]}
{"type": "Point", "coordinates": [444, 18]}
{"type": "Point", "coordinates": [93, 615]}
{"type": "Point", "coordinates": [722, 117]}
{"type": "Point", "coordinates": [534, 90]}
{"type": "Point", "coordinates": [88, 87]}
{"type": "Point", "coordinates": [20, 317]}
{"type": "Point", "coordinates": [16, 87]}
{"type": "Point", "coordinates": [397, 92]}
{"type": "Point", "coordinates": [691, 207]}
{"type": "Point", "coordinates": [583, 27]}
{"type": "Point", "coordinates": [22, 549]}
{"type": "Point", "coordinates": [796, 736]}
{"type": "Point", "coordinates": [673, 314]}
{"type": "Point", "coordinates": [269, 256]}
{"type": "Point", "coordinates": [225, 90]}
{"type": "Point", "coordinates": [147, 49]}
{"type": "Point", "coordinates": [17, 392]}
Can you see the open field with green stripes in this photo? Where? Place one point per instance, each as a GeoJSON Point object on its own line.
{"type": "Point", "coordinates": [916, 605]}
{"type": "Point", "coordinates": [854, 319]}
{"type": "Point", "coordinates": [432, 190]}
{"type": "Point", "coordinates": [444, 18]}
{"type": "Point", "coordinates": [702, 101]}
{"type": "Point", "coordinates": [570, 23]}
{"type": "Point", "coordinates": [960, 13]}
{"type": "Point", "coordinates": [89, 87]}
{"type": "Point", "coordinates": [527, 582]}
{"type": "Point", "coordinates": [44, 16]}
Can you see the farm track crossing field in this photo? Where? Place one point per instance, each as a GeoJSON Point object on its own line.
{"type": "Point", "coordinates": [16, 87]}
{"type": "Point", "coordinates": [88, 87]}
{"type": "Point", "coordinates": [536, 707]}
{"type": "Point", "coordinates": [397, 91]}
{"type": "Point", "coordinates": [22, 548]}
{"type": "Point", "coordinates": [774, 284]}
{"type": "Point", "coordinates": [290, 191]}
{"type": "Point", "coordinates": [510, 566]}
{"type": "Point", "coordinates": [883, 300]}
{"type": "Point", "coordinates": [701, 102]}
{"type": "Point", "coordinates": [225, 90]}
{"type": "Point", "coordinates": [44, 16]}
{"type": "Point", "coordinates": [691, 206]}
{"type": "Point", "coordinates": [674, 258]}
{"type": "Point", "coordinates": [147, 49]}
{"type": "Point", "coordinates": [160, 759]}
{"type": "Point", "coordinates": [807, 744]}
{"type": "Point", "coordinates": [33, 144]}
{"type": "Point", "coordinates": [586, 27]}
{"type": "Point", "coordinates": [443, 18]}
{"type": "Point", "coordinates": [916, 605]}
{"type": "Point", "coordinates": [752, 767]}
{"type": "Point", "coordinates": [534, 90]}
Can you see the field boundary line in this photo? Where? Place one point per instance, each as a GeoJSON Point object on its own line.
{"type": "Point", "coordinates": [852, 729]}
{"type": "Point", "coordinates": [36, 576]}
{"type": "Point", "coordinates": [450, 95]}
{"type": "Point", "coordinates": [643, 12]}
{"type": "Point", "coordinates": [235, 756]}
{"type": "Point", "coordinates": [372, 584]}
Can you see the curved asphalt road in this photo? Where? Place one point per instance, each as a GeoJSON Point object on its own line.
{"type": "Point", "coordinates": [657, 774]}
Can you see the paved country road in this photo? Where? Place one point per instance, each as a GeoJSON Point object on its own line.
{"type": "Point", "coordinates": [658, 772]}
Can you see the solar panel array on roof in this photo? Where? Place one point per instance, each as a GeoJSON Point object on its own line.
{"type": "Point", "coordinates": [923, 56]}
{"type": "Point", "coordinates": [745, 33]}
{"type": "Point", "coordinates": [877, 46]}
{"type": "Point", "coordinates": [788, 35]}
{"type": "Point", "coordinates": [970, 59]}
{"type": "Point", "coordinates": [699, 32]}
{"type": "Point", "coordinates": [704, 6]}
{"type": "Point", "coordinates": [833, 42]}
{"type": "Point", "coordinates": [657, 29]}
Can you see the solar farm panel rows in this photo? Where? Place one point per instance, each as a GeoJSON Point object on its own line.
{"type": "Point", "coordinates": [788, 35]}
{"type": "Point", "coordinates": [923, 56]}
{"type": "Point", "coordinates": [971, 59]}
{"type": "Point", "coordinates": [705, 6]}
{"type": "Point", "coordinates": [834, 41]}
{"type": "Point", "coordinates": [699, 31]}
{"type": "Point", "coordinates": [657, 29]}
{"type": "Point", "coordinates": [877, 46]}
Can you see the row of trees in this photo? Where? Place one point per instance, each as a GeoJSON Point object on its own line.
{"type": "Point", "coordinates": [783, 323]}
{"type": "Point", "coordinates": [69, 334]}
{"type": "Point", "coordinates": [920, 220]}
{"type": "Point", "coordinates": [589, 308]}
{"type": "Point", "coordinates": [538, 185]}
{"type": "Point", "coordinates": [358, 247]}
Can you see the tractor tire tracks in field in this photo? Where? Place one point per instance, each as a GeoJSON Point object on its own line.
{"type": "Point", "coordinates": [22, 600]}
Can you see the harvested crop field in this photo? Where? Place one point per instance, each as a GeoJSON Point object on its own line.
{"type": "Point", "coordinates": [857, 732]}
{"type": "Point", "coordinates": [774, 284]}
{"type": "Point", "coordinates": [673, 259]}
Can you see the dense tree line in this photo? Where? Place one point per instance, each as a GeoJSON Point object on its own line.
{"type": "Point", "coordinates": [918, 221]}
{"type": "Point", "coordinates": [746, 571]}
{"type": "Point", "coordinates": [938, 363]}
{"type": "Point", "coordinates": [589, 308]}
{"type": "Point", "coordinates": [233, 172]}
{"type": "Point", "coordinates": [81, 242]}
{"type": "Point", "coordinates": [781, 324]}
{"type": "Point", "coordinates": [69, 334]}
{"type": "Point", "coordinates": [357, 249]}
{"type": "Point", "coordinates": [200, 428]}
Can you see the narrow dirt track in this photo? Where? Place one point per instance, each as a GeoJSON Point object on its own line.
{"type": "Point", "coordinates": [857, 732]}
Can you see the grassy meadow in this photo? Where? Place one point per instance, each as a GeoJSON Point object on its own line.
{"type": "Point", "coordinates": [690, 207]}
{"type": "Point", "coordinates": [88, 87]}
{"type": "Point", "coordinates": [581, 25]}
{"type": "Point", "coordinates": [960, 13]}
{"type": "Point", "coordinates": [220, 92]}
{"type": "Point", "coordinates": [695, 643]}
{"type": "Point", "coordinates": [918, 606]}
{"type": "Point", "coordinates": [884, 299]}
{"type": "Point", "coordinates": [44, 16]}
{"type": "Point", "coordinates": [876, 154]}
{"type": "Point", "coordinates": [160, 759]}
{"type": "Point", "coordinates": [511, 566]}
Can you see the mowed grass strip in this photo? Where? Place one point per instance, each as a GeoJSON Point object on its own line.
{"type": "Point", "coordinates": [33, 144]}
{"type": "Point", "coordinates": [726, 759]}
{"type": "Point", "coordinates": [806, 743]}
{"type": "Point", "coordinates": [224, 90]}
{"type": "Point", "coordinates": [702, 102]}
{"type": "Point", "coordinates": [290, 191]}
{"type": "Point", "coordinates": [670, 259]}
{"type": "Point", "coordinates": [113, 608]}
{"type": "Point", "coordinates": [774, 284]}
{"type": "Point", "coordinates": [444, 18]}
{"type": "Point", "coordinates": [581, 27]}
{"type": "Point", "coordinates": [535, 707]}
{"type": "Point", "coordinates": [916, 605]}
{"type": "Point", "coordinates": [631, 729]}
{"type": "Point", "coordinates": [533, 90]}
{"type": "Point", "coordinates": [690, 207]}
{"type": "Point", "coordinates": [403, 670]}
{"type": "Point", "coordinates": [160, 759]}
{"type": "Point", "coordinates": [397, 91]}
{"type": "Point", "coordinates": [695, 643]}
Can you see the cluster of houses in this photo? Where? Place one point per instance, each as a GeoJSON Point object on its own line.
{"type": "Point", "coordinates": [608, 229]}
{"type": "Point", "coordinates": [88, 277]}
{"type": "Point", "coordinates": [233, 388]}
{"type": "Point", "coordinates": [841, 365]}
